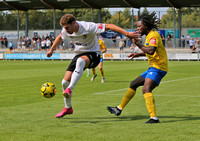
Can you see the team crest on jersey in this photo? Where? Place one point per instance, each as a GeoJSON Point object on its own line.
{"type": "Point", "coordinates": [100, 26]}
{"type": "Point", "coordinates": [153, 41]}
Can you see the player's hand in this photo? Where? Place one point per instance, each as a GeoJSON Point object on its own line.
{"type": "Point", "coordinates": [133, 35]}
{"type": "Point", "coordinates": [133, 55]}
{"type": "Point", "coordinates": [49, 53]}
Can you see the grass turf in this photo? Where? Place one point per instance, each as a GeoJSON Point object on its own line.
{"type": "Point", "coordinates": [26, 115]}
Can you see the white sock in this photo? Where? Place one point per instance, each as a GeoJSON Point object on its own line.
{"type": "Point", "coordinates": [76, 75]}
{"type": "Point", "coordinates": [88, 71]}
{"type": "Point", "coordinates": [67, 101]}
{"type": "Point", "coordinates": [155, 118]}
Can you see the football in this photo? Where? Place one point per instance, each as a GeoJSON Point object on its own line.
{"type": "Point", "coordinates": [48, 90]}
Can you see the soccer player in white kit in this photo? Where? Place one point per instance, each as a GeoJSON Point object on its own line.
{"type": "Point", "coordinates": [84, 36]}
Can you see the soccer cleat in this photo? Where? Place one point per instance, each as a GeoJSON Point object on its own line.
{"type": "Point", "coordinates": [65, 111]}
{"type": "Point", "coordinates": [67, 92]}
{"type": "Point", "coordinates": [151, 121]}
{"type": "Point", "coordinates": [114, 110]}
{"type": "Point", "coordinates": [87, 75]}
{"type": "Point", "coordinates": [93, 77]}
{"type": "Point", "coordinates": [103, 80]}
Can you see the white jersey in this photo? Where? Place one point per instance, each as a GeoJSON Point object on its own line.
{"type": "Point", "coordinates": [85, 40]}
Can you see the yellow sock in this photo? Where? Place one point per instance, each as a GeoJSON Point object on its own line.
{"type": "Point", "coordinates": [102, 72]}
{"type": "Point", "coordinates": [150, 103]}
{"type": "Point", "coordinates": [93, 71]}
{"type": "Point", "coordinates": [126, 98]}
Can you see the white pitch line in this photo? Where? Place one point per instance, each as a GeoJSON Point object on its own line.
{"type": "Point", "coordinates": [161, 82]}
{"type": "Point", "coordinates": [180, 79]}
{"type": "Point", "coordinates": [163, 95]}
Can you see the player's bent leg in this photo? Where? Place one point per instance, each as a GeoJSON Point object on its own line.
{"type": "Point", "coordinates": [100, 66]}
{"type": "Point", "coordinates": [76, 75]}
{"type": "Point", "coordinates": [67, 98]}
{"type": "Point", "coordinates": [94, 74]}
{"type": "Point", "coordinates": [127, 96]}
{"type": "Point", "coordinates": [150, 101]}
{"type": "Point", "coordinates": [68, 108]}
{"type": "Point", "coordinates": [88, 72]}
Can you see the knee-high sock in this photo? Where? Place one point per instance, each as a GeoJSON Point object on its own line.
{"type": "Point", "coordinates": [76, 75]}
{"type": "Point", "coordinates": [88, 71]}
{"type": "Point", "coordinates": [150, 103]}
{"type": "Point", "coordinates": [67, 101]}
{"type": "Point", "coordinates": [102, 72]}
{"type": "Point", "coordinates": [126, 98]}
{"type": "Point", "coordinates": [93, 71]}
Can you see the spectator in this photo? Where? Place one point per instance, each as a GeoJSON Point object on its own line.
{"type": "Point", "coordinates": [114, 40]}
{"type": "Point", "coordinates": [48, 43]}
{"type": "Point", "coordinates": [196, 43]}
{"type": "Point", "coordinates": [39, 43]}
{"type": "Point", "coordinates": [188, 39]}
{"type": "Point", "coordinates": [124, 39]}
{"type": "Point", "coordinates": [47, 36]}
{"type": "Point", "coordinates": [34, 41]}
{"type": "Point", "coordinates": [129, 43]}
{"type": "Point", "coordinates": [28, 43]}
{"type": "Point", "coordinates": [169, 37]}
{"type": "Point", "coordinates": [5, 41]}
{"type": "Point", "coordinates": [23, 45]}
{"type": "Point", "coordinates": [132, 48]}
{"type": "Point", "coordinates": [43, 44]}
{"type": "Point", "coordinates": [163, 39]}
{"type": "Point", "coordinates": [118, 39]}
{"type": "Point", "coordinates": [2, 42]}
{"type": "Point", "coordinates": [19, 44]}
{"type": "Point", "coordinates": [121, 45]}
{"type": "Point", "coordinates": [11, 46]}
{"type": "Point", "coordinates": [191, 42]}
{"type": "Point", "coordinates": [183, 40]}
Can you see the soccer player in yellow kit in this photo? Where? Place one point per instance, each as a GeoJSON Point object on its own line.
{"type": "Point", "coordinates": [157, 57]}
{"type": "Point", "coordinates": [103, 49]}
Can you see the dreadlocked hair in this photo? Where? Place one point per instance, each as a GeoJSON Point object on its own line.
{"type": "Point", "coordinates": [150, 20]}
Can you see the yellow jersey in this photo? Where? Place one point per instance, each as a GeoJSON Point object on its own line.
{"type": "Point", "coordinates": [101, 44]}
{"type": "Point", "coordinates": [159, 58]}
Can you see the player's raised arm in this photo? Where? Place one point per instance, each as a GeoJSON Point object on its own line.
{"type": "Point", "coordinates": [56, 43]}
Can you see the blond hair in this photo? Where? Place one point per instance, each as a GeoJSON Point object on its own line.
{"type": "Point", "coordinates": [67, 19]}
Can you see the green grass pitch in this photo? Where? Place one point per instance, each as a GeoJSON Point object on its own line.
{"type": "Point", "coordinates": [25, 115]}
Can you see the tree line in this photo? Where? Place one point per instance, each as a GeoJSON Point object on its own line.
{"type": "Point", "coordinates": [43, 19]}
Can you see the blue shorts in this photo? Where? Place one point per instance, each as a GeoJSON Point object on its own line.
{"type": "Point", "coordinates": [101, 58]}
{"type": "Point", "coordinates": [154, 74]}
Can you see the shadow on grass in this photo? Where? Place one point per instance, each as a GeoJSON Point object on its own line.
{"type": "Point", "coordinates": [95, 120]}
{"type": "Point", "coordinates": [118, 81]}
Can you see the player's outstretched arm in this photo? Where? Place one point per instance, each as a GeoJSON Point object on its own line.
{"type": "Point", "coordinates": [56, 43]}
{"type": "Point", "coordinates": [118, 29]}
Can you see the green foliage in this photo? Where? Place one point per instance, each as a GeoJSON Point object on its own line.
{"type": "Point", "coordinates": [43, 19]}
{"type": "Point", "coordinates": [122, 18]}
{"type": "Point", "coordinates": [190, 18]}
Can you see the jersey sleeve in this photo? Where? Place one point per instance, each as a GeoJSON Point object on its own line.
{"type": "Point", "coordinates": [96, 28]}
{"type": "Point", "coordinates": [63, 34]}
{"type": "Point", "coordinates": [153, 41]}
